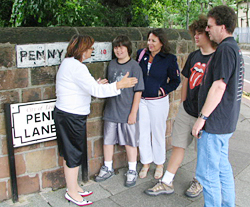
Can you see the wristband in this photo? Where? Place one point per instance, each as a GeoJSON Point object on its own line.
{"type": "Point", "coordinates": [202, 116]}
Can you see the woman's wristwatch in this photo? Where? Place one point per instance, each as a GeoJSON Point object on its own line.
{"type": "Point", "coordinates": [203, 117]}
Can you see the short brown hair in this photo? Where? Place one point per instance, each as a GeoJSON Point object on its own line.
{"type": "Point", "coordinates": [123, 40]}
{"type": "Point", "coordinates": [224, 15]}
{"type": "Point", "coordinates": [78, 45]}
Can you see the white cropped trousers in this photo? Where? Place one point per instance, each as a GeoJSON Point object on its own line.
{"type": "Point", "coordinates": [153, 115]}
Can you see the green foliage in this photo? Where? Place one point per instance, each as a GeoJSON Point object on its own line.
{"type": "Point", "coordinates": [112, 13]}
{"type": "Point", "coordinates": [5, 12]}
{"type": "Point", "coordinates": [56, 13]}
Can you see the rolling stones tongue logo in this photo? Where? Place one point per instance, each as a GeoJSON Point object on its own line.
{"type": "Point", "coordinates": [197, 73]}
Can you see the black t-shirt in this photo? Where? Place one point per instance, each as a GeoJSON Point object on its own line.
{"type": "Point", "coordinates": [194, 70]}
{"type": "Point", "coordinates": [227, 63]}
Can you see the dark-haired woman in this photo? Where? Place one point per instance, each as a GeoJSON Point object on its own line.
{"type": "Point", "coordinates": [161, 76]}
{"type": "Point", "coordinates": [74, 88]}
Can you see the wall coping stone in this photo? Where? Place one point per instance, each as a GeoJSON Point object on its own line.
{"type": "Point", "coordinates": [28, 35]}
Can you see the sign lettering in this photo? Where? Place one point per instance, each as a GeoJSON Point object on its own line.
{"type": "Point", "coordinates": [38, 55]}
{"type": "Point", "coordinates": [32, 122]}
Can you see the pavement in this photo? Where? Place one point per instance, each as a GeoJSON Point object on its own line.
{"type": "Point", "coordinates": [113, 193]}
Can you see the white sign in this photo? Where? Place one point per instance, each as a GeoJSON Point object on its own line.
{"type": "Point", "coordinates": [32, 122]}
{"type": "Point", "coordinates": [37, 55]}
{"type": "Point", "coordinates": [102, 52]}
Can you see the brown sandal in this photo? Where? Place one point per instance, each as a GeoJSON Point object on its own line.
{"type": "Point", "coordinates": [158, 172]}
{"type": "Point", "coordinates": [144, 171]}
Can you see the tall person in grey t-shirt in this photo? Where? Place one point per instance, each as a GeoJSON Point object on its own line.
{"type": "Point", "coordinates": [121, 113]}
{"type": "Point", "coordinates": [219, 106]}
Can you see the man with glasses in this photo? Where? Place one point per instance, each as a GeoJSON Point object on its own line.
{"type": "Point", "coordinates": [219, 105]}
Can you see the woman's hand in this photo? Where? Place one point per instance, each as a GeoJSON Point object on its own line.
{"type": "Point", "coordinates": [102, 81]}
{"type": "Point", "coordinates": [126, 82]}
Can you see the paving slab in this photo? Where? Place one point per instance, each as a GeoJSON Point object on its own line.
{"type": "Point", "coordinates": [136, 197]}
{"type": "Point", "coordinates": [242, 190]}
{"type": "Point", "coordinates": [27, 201]}
{"type": "Point", "coordinates": [239, 161]}
{"type": "Point", "coordinates": [244, 175]}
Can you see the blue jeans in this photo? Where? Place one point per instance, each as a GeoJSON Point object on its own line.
{"type": "Point", "coordinates": [214, 171]}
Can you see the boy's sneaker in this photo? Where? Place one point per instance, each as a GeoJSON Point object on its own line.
{"type": "Point", "coordinates": [195, 189]}
{"type": "Point", "coordinates": [160, 188]}
{"type": "Point", "coordinates": [131, 178]}
{"type": "Point", "coordinates": [104, 174]}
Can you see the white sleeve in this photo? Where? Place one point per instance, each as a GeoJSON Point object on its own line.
{"type": "Point", "coordinates": [87, 82]}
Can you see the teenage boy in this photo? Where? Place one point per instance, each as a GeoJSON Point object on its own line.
{"type": "Point", "coordinates": [121, 113]}
{"type": "Point", "coordinates": [188, 111]}
{"type": "Point", "coordinates": [219, 105]}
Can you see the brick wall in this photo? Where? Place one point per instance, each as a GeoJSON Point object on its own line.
{"type": "Point", "coordinates": [39, 166]}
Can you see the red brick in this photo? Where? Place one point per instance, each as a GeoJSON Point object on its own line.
{"type": "Point", "coordinates": [45, 75]}
{"type": "Point", "coordinates": [11, 79]}
{"type": "Point", "coordinates": [50, 143]}
{"type": "Point", "coordinates": [60, 160]}
{"type": "Point", "coordinates": [94, 128]}
{"type": "Point", "coordinates": [8, 97]}
{"type": "Point", "coordinates": [41, 160]}
{"type": "Point", "coordinates": [182, 47]}
{"type": "Point", "coordinates": [119, 148]}
{"type": "Point", "coordinates": [180, 61]}
{"type": "Point", "coordinates": [2, 124]}
{"type": "Point", "coordinates": [169, 128]}
{"type": "Point", "coordinates": [98, 148]}
{"type": "Point", "coordinates": [27, 148]}
{"type": "Point", "coordinates": [171, 97]}
{"type": "Point", "coordinates": [168, 143]}
{"type": "Point", "coordinates": [31, 94]}
{"type": "Point", "coordinates": [20, 164]}
{"type": "Point", "coordinates": [173, 110]}
{"type": "Point", "coordinates": [27, 184]}
{"type": "Point", "coordinates": [96, 69]}
{"type": "Point", "coordinates": [4, 172]}
{"type": "Point", "coordinates": [4, 146]}
{"type": "Point", "coordinates": [3, 191]}
{"type": "Point", "coordinates": [49, 93]}
{"type": "Point", "coordinates": [96, 109]}
{"type": "Point", "coordinates": [120, 160]}
{"type": "Point", "coordinates": [7, 55]}
{"type": "Point", "coordinates": [89, 142]}
{"type": "Point", "coordinates": [53, 179]}
{"type": "Point", "coordinates": [94, 166]}
{"type": "Point", "coordinates": [9, 189]}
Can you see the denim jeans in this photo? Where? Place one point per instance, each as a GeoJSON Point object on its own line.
{"type": "Point", "coordinates": [214, 171]}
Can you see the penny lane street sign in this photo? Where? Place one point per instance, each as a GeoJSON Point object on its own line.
{"type": "Point", "coordinates": [32, 122]}
{"type": "Point", "coordinates": [27, 123]}
{"type": "Point", "coordinates": [37, 55]}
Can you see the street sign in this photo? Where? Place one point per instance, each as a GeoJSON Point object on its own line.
{"type": "Point", "coordinates": [38, 55]}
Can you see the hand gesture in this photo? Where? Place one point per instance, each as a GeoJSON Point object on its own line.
{"type": "Point", "coordinates": [126, 82]}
